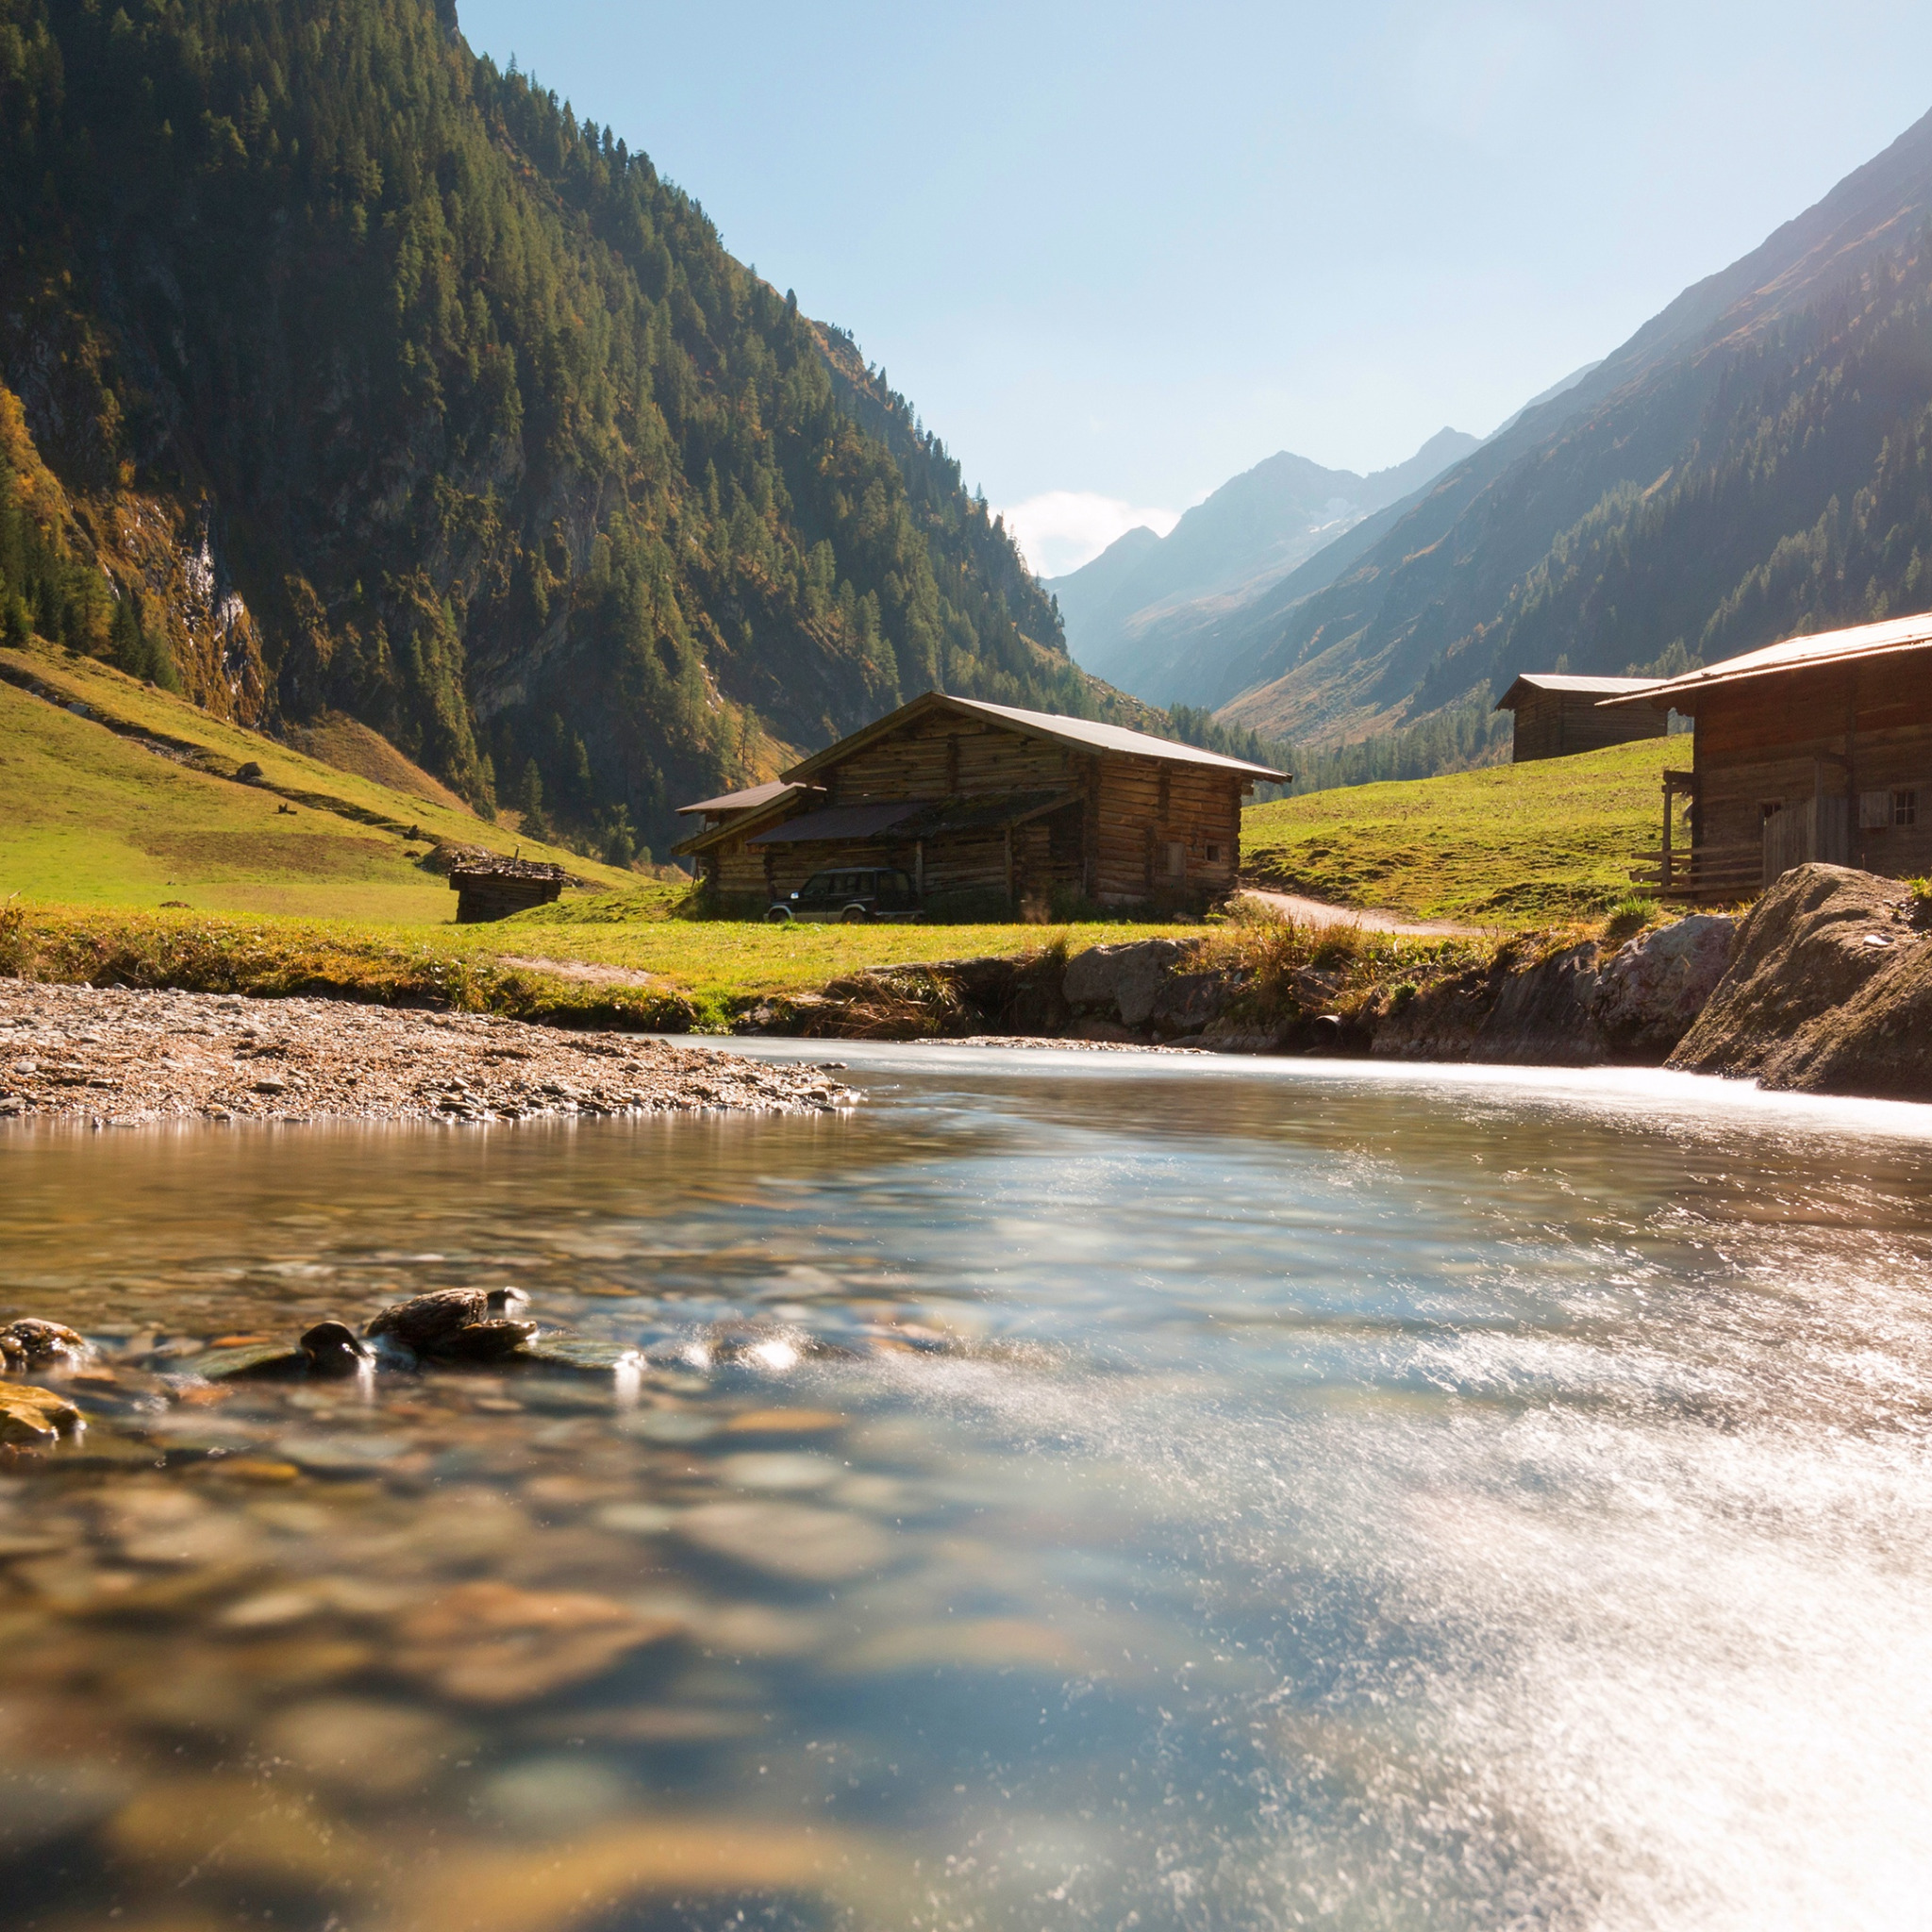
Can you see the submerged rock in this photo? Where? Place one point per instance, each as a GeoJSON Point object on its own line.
{"type": "Point", "coordinates": [491, 1643]}
{"type": "Point", "coordinates": [789, 1540]}
{"type": "Point", "coordinates": [578, 1354]}
{"type": "Point", "coordinates": [329, 1349]}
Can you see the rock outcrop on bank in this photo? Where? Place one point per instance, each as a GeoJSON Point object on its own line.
{"type": "Point", "coordinates": [115, 1056]}
{"type": "Point", "coordinates": [1584, 1004]}
{"type": "Point", "coordinates": [1829, 991]}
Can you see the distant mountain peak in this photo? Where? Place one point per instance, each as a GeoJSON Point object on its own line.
{"type": "Point", "coordinates": [1120, 608]}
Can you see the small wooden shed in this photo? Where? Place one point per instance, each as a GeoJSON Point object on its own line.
{"type": "Point", "coordinates": [493, 887]}
{"type": "Point", "coordinates": [1815, 748]}
{"type": "Point", "coordinates": [1558, 714]}
{"type": "Point", "coordinates": [983, 802]}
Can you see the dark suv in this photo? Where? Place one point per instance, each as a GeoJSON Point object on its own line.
{"type": "Point", "coordinates": [849, 897]}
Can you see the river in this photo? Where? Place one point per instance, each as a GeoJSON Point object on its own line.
{"type": "Point", "coordinates": [1071, 1490]}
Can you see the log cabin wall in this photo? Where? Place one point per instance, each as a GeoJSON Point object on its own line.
{"type": "Point", "coordinates": [1760, 743]}
{"type": "Point", "coordinates": [950, 758]}
{"type": "Point", "coordinates": [1539, 732]}
{"type": "Point", "coordinates": [1163, 831]}
{"type": "Point", "coordinates": [1138, 830]}
{"type": "Point", "coordinates": [1556, 723]}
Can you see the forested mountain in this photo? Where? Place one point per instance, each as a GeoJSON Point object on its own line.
{"type": "Point", "coordinates": [1143, 612]}
{"type": "Point", "coordinates": [1751, 463]}
{"type": "Point", "coordinates": [366, 376]}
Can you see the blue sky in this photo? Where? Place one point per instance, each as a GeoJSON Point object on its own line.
{"type": "Point", "coordinates": [1116, 254]}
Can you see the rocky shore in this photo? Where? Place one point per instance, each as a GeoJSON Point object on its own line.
{"type": "Point", "coordinates": [116, 1056]}
{"type": "Point", "coordinates": [1514, 1004]}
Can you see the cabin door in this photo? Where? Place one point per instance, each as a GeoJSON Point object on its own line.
{"type": "Point", "coordinates": [1816, 830]}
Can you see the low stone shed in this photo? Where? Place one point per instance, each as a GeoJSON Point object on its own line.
{"type": "Point", "coordinates": [1815, 748]}
{"type": "Point", "coordinates": [977, 802]}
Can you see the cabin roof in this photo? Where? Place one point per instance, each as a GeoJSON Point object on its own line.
{"type": "Point", "coordinates": [747, 800]}
{"type": "Point", "coordinates": [1565, 685]}
{"type": "Point", "coordinates": [1082, 732]}
{"type": "Point", "coordinates": [912, 818]}
{"type": "Point", "coordinates": [1896, 637]}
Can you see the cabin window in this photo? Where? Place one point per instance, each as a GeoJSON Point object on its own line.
{"type": "Point", "coordinates": [1875, 810]}
{"type": "Point", "coordinates": [1905, 807]}
{"type": "Point", "coordinates": [1176, 859]}
{"type": "Point", "coordinates": [1214, 853]}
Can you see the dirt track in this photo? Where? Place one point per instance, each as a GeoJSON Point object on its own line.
{"type": "Point", "coordinates": [1319, 912]}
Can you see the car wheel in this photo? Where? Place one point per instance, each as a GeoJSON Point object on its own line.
{"type": "Point", "coordinates": [854, 915]}
{"type": "Point", "coordinates": [778, 915]}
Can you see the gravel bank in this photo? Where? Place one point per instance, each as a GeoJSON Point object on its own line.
{"type": "Point", "coordinates": [118, 1056]}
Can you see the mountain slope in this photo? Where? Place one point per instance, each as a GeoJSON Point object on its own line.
{"type": "Point", "coordinates": [1134, 615]}
{"type": "Point", "coordinates": [453, 416]}
{"type": "Point", "coordinates": [1745, 464]}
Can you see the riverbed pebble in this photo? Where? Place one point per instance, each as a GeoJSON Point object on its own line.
{"type": "Point", "coordinates": [118, 1056]}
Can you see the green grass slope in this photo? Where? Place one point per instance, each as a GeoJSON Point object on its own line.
{"type": "Point", "coordinates": [1514, 846]}
{"type": "Point", "coordinates": [136, 803]}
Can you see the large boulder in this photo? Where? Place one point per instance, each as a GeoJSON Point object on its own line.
{"type": "Point", "coordinates": [1649, 992]}
{"type": "Point", "coordinates": [1122, 983]}
{"type": "Point", "coordinates": [1829, 990]}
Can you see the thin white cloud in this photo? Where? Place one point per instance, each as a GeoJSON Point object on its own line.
{"type": "Point", "coordinates": [1062, 529]}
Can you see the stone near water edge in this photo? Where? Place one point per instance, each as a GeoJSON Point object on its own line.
{"type": "Point", "coordinates": [1829, 991]}
{"type": "Point", "coordinates": [35, 1418]}
{"type": "Point", "coordinates": [1651, 990]}
{"type": "Point", "coordinates": [427, 1324]}
{"type": "Point", "coordinates": [32, 1343]}
{"type": "Point", "coordinates": [1125, 978]}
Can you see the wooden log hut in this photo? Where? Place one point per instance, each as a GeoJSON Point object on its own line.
{"type": "Point", "coordinates": [488, 886]}
{"type": "Point", "coordinates": [1815, 748]}
{"type": "Point", "coordinates": [986, 804]}
{"type": "Point", "coordinates": [1558, 714]}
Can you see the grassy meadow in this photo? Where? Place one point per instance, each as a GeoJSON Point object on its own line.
{"type": "Point", "coordinates": [136, 804]}
{"type": "Point", "coordinates": [1514, 846]}
{"type": "Point", "coordinates": [130, 852]}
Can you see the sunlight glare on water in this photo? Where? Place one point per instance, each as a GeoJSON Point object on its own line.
{"type": "Point", "coordinates": [1071, 1490]}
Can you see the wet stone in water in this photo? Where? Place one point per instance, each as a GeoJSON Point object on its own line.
{"type": "Point", "coordinates": [491, 1643]}
{"type": "Point", "coordinates": [789, 1540]}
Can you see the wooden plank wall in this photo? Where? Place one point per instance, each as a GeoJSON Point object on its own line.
{"type": "Point", "coordinates": [1538, 728]}
{"type": "Point", "coordinates": [950, 758]}
{"type": "Point", "coordinates": [1144, 805]}
{"type": "Point", "coordinates": [1760, 741]}
{"type": "Point", "coordinates": [1113, 844]}
{"type": "Point", "coordinates": [1554, 725]}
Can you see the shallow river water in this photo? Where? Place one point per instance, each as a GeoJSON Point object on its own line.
{"type": "Point", "coordinates": [1071, 1489]}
